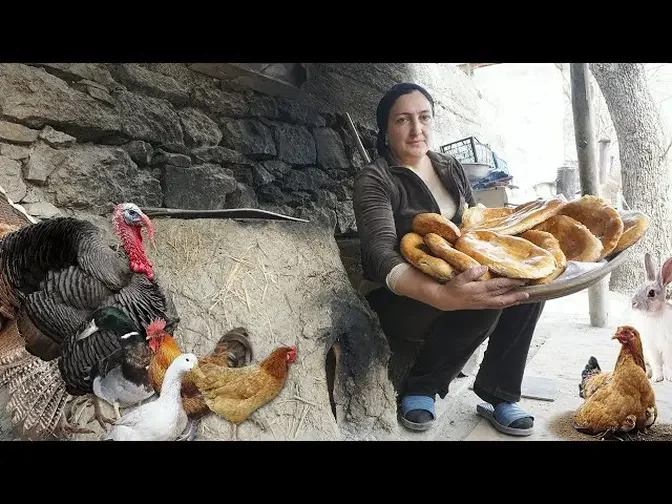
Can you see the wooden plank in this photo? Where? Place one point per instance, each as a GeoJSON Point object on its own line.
{"type": "Point", "coordinates": [598, 294]}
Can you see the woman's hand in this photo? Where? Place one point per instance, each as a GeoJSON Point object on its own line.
{"type": "Point", "coordinates": [465, 292]}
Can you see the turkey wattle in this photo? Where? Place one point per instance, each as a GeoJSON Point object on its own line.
{"type": "Point", "coordinates": [53, 276]}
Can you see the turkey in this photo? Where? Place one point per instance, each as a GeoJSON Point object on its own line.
{"type": "Point", "coordinates": [54, 275]}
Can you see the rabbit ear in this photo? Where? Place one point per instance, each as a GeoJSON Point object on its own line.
{"type": "Point", "coordinates": [666, 272]}
{"type": "Point", "coordinates": [650, 267]}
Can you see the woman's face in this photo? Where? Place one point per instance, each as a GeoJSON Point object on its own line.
{"type": "Point", "coordinates": [409, 126]}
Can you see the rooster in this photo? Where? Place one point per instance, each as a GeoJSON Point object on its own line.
{"type": "Point", "coordinates": [235, 393]}
{"type": "Point", "coordinates": [54, 275]}
{"type": "Point", "coordinates": [619, 401]}
{"type": "Point", "coordinates": [232, 350]}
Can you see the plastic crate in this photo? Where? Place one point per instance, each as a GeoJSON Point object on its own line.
{"type": "Point", "coordinates": [470, 150]}
{"type": "Point", "coordinates": [500, 164]}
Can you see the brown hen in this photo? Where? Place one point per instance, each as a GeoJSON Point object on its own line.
{"type": "Point", "coordinates": [236, 393]}
{"type": "Point", "coordinates": [619, 401]}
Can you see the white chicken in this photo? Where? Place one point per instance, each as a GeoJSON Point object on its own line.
{"type": "Point", "coordinates": [163, 419]}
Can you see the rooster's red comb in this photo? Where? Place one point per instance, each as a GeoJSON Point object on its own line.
{"type": "Point", "coordinates": [156, 326]}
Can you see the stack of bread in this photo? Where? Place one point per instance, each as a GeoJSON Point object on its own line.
{"type": "Point", "coordinates": [533, 241]}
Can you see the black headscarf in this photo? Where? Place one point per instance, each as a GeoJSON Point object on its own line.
{"type": "Point", "coordinates": [386, 103]}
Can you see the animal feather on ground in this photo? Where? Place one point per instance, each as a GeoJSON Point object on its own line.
{"type": "Point", "coordinates": [619, 401]}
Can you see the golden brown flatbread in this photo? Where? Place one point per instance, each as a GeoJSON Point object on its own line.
{"type": "Point", "coordinates": [523, 217]}
{"type": "Point", "coordinates": [506, 255]}
{"type": "Point", "coordinates": [439, 247]}
{"type": "Point", "coordinates": [548, 242]}
{"type": "Point", "coordinates": [576, 240]}
{"type": "Point", "coordinates": [635, 224]}
{"type": "Point", "coordinates": [424, 223]}
{"type": "Point", "coordinates": [414, 250]}
{"type": "Point", "coordinates": [599, 217]}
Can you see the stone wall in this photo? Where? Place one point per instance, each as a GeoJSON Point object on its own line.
{"type": "Point", "coordinates": [77, 136]}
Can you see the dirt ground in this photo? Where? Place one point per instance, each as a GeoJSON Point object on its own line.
{"type": "Point", "coordinates": [561, 425]}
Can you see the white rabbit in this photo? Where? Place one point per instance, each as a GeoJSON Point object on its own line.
{"type": "Point", "coordinates": [655, 318]}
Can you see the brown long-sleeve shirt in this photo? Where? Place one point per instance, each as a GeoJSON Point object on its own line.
{"type": "Point", "coordinates": [386, 198]}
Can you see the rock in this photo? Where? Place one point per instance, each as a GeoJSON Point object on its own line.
{"type": "Point", "coordinates": [177, 148]}
{"type": "Point", "coordinates": [198, 128]}
{"type": "Point", "coordinates": [220, 104]}
{"type": "Point", "coordinates": [184, 75]}
{"type": "Point", "coordinates": [345, 218]}
{"type": "Point", "coordinates": [56, 138]}
{"type": "Point", "coordinates": [343, 189]}
{"type": "Point", "coordinates": [217, 154]}
{"type": "Point", "coordinates": [242, 173]}
{"type": "Point", "coordinates": [95, 72]}
{"type": "Point", "coordinates": [330, 149]}
{"type": "Point", "coordinates": [100, 94]}
{"type": "Point", "coordinates": [270, 193]}
{"type": "Point", "coordinates": [43, 161]}
{"type": "Point", "coordinates": [277, 168]}
{"type": "Point", "coordinates": [35, 98]}
{"type": "Point", "coordinates": [294, 112]}
{"type": "Point", "coordinates": [17, 133]}
{"type": "Point", "coordinates": [96, 178]}
{"type": "Point", "coordinates": [10, 174]}
{"type": "Point", "coordinates": [264, 106]}
{"type": "Point", "coordinates": [15, 152]}
{"type": "Point", "coordinates": [261, 176]}
{"type": "Point", "coordinates": [295, 144]}
{"type": "Point", "coordinates": [203, 187]}
{"type": "Point", "coordinates": [309, 179]}
{"type": "Point", "coordinates": [242, 197]}
{"type": "Point", "coordinates": [154, 84]}
{"type": "Point", "coordinates": [326, 198]}
{"type": "Point", "coordinates": [140, 152]}
{"type": "Point", "coordinates": [317, 215]}
{"type": "Point", "coordinates": [150, 119]}
{"type": "Point", "coordinates": [42, 210]}
{"type": "Point", "coordinates": [250, 137]}
{"type": "Point", "coordinates": [161, 157]}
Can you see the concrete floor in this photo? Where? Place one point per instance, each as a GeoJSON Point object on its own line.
{"type": "Point", "coordinates": [563, 343]}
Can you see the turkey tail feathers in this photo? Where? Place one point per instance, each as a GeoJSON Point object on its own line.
{"type": "Point", "coordinates": [37, 394]}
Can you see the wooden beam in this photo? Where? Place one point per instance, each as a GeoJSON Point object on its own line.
{"type": "Point", "coordinates": [469, 68]}
{"type": "Point", "coordinates": [598, 294]}
{"type": "Point", "coordinates": [275, 79]}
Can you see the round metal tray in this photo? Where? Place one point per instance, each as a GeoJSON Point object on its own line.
{"type": "Point", "coordinates": [566, 287]}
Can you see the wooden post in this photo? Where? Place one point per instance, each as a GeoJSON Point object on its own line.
{"type": "Point", "coordinates": [598, 294]}
{"type": "Point", "coordinates": [567, 182]}
{"type": "Point", "coordinates": [602, 159]}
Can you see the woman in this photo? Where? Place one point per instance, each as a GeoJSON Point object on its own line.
{"type": "Point", "coordinates": [454, 318]}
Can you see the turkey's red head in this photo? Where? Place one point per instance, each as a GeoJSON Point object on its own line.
{"type": "Point", "coordinates": [128, 221]}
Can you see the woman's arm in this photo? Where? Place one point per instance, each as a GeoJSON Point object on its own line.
{"type": "Point", "coordinates": [375, 226]}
